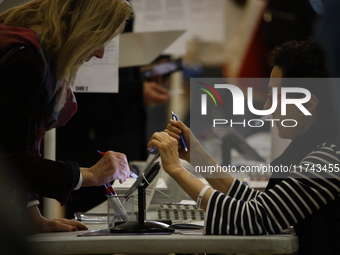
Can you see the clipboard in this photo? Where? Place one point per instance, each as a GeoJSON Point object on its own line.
{"type": "Point", "coordinates": [141, 48]}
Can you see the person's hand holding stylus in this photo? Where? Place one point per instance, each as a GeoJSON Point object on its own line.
{"type": "Point", "coordinates": [113, 165]}
{"type": "Point", "coordinates": [132, 174]}
{"type": "Point", "coordinates": [181, 132]}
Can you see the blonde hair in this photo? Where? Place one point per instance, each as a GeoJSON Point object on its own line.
{"type": "Point", "coordinates": [70, 29]}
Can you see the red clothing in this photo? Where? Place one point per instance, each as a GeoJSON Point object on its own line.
{"type": "Point", "coordinates": [28, 96]}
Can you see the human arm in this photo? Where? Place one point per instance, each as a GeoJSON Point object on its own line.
{"type": "Point", "coordinates": [168, 148]}
{"type": "Point", "coordinates": [245, 212]}
{"type": "Point", "coordinates": [154, 94]}
{"type": "Point", "coordinates": [21, 108]}
{"type": "Point", "coordinates": [36, 223]}
{"type": "Point", "coordinates": [113, 165]}
{"type": "Point", "coordinates": [197, 155]}
{"type": "Point", "coordinates": [148, 93]}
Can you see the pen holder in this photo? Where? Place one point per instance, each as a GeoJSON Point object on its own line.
{"type": "Point", "coordinates": [120, 209]}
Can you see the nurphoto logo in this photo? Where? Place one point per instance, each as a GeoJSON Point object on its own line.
{"type": "Point", "coordinates": [239, 103]}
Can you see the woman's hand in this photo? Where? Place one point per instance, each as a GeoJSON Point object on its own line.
{"type": "Point", "coordinates": [168, 149]}
{"type": "Point", "coordinates": [60, 225]}
{"type": "Point", "coordinates": [197, 155]}
{"type": "Point", "coordinates": [37, 223]}
{"type": "Point", "coordinates": [177, 128]}
{"type": "Point", "coordinates": [113, 165]}
{"type": "Point", "coordinates": [154, 94]}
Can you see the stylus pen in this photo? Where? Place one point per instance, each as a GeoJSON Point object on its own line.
{"type": "Point", "coordinates": [174, 117]}
{"type": "Point", "coordinates": [132, 174]}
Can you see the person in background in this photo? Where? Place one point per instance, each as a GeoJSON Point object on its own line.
{"type": "Point", "coordinates": [43, 43]}
{"type": "Point", "coordinates": [307, 197]}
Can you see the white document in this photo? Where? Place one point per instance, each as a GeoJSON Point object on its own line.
{"type": "Point", "coordinates": [100, 75]}
{"type": "Point", "coordinates": [125, 50]}
{"type": "Point", "coordinates": [202, 19]}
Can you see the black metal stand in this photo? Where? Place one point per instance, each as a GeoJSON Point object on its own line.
{"type": "Point", "coordinates": [141, 226]}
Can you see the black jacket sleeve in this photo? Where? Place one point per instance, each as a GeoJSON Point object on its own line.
{"type": "Point", "coordinates": [21, 106]}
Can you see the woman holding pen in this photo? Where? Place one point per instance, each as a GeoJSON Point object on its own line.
{"type": "Point", "coordinates": [42, 45]}
{"type": "Point", "coordinates": [307, 197]}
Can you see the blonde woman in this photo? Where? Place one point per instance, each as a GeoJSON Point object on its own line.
{"type": "Point", "coordinates": [42, 45]}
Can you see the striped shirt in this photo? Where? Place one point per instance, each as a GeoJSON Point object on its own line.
{"type": "Point", "coordinates": [309, 186]}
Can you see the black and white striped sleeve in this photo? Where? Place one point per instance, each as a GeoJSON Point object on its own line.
{"type": "Point", "coordinates": [243, 211]}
